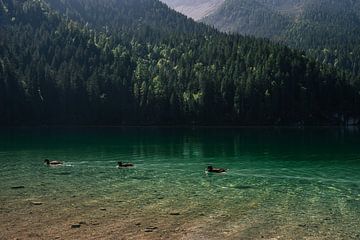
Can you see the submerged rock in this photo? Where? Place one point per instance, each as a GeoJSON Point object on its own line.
{"type": "Point", "coordinates": [175, 213]}
{"type": "Point", "coordinates": [75, 225]}
{"type": "Point", "coordinates": [150, 229]}
{"type": "Point", "coordinates": [243, 187]}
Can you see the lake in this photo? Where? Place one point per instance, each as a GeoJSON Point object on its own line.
{"type": "Point", "coordinates": [281, 183]}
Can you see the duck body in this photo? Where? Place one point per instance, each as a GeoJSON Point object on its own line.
{"type": "Point", "coordinates": [124, 165]}
{"type": "Point", "coordinates": [52, 163]}
{"type": "Point", "coordinates": [215, 170]}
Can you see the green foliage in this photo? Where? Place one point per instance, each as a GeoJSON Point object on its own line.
{"type": "Point", "coordinates": [138, 62]}
{"type": "Point", "coordinates": [329, 31]}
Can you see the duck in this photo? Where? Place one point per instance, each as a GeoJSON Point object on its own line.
{"type": "Point", "coordinates": [52, 163]}
{"type": "Point", "coordinates": [215, 170]}
{"type": "Point", "coordinates": [124, 165]}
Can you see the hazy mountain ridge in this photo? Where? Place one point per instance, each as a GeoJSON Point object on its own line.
{"type": "Point", "coordinates": [248, 17]}
{"type": "Point", "coordinates": [240, 15]}
{"type": "Point", "coordinates": [329, 21]}
{"type": "Point", "coordinates": [327, 30]}
{"type": "Point", "coordinates": [196, 9]}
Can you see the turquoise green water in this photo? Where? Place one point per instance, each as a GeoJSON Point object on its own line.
{"type": "Point", "coordinates": [281, 183]}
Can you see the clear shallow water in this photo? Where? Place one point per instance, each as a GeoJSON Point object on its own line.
{"type": "Point", "coordinates": [281, 183]}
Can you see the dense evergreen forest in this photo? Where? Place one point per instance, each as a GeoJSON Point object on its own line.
{"type": "Point", "coordinates": [138, 62]}
{"type": "Point", "coordinates": [329, 31]}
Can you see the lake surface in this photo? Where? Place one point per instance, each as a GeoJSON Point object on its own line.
{"type": "Point", "coordinates": [281, 183]}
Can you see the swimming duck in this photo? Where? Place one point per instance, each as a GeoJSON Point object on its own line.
{"type": "Point", "coordinates": [124, 165]}
{"type": "Point", "coordinates": [52, 163]}
{"type": "Point", "coordinates": [216, 170]}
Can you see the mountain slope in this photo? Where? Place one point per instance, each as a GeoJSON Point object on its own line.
{"type": "Point", "coordinates": [248, 17]}
{"type": "Point", "coordinates": [324, 17]}
{"type": "Point", "coordinates": [329, 30]}
{"type": "Point", "coordinates": [134, 17]}
{"type": "Point", "coordinates": [70, 64]}
{"type": "Point", "coordinates": [196, 9]}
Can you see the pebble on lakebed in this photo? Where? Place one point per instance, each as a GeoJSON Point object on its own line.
{"type": "Point", "coordinates": [75, 225]}
{"type": "Point", "coordinates": [175, 213]}
{"type": "Point", "coordinates": [150, 229]}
